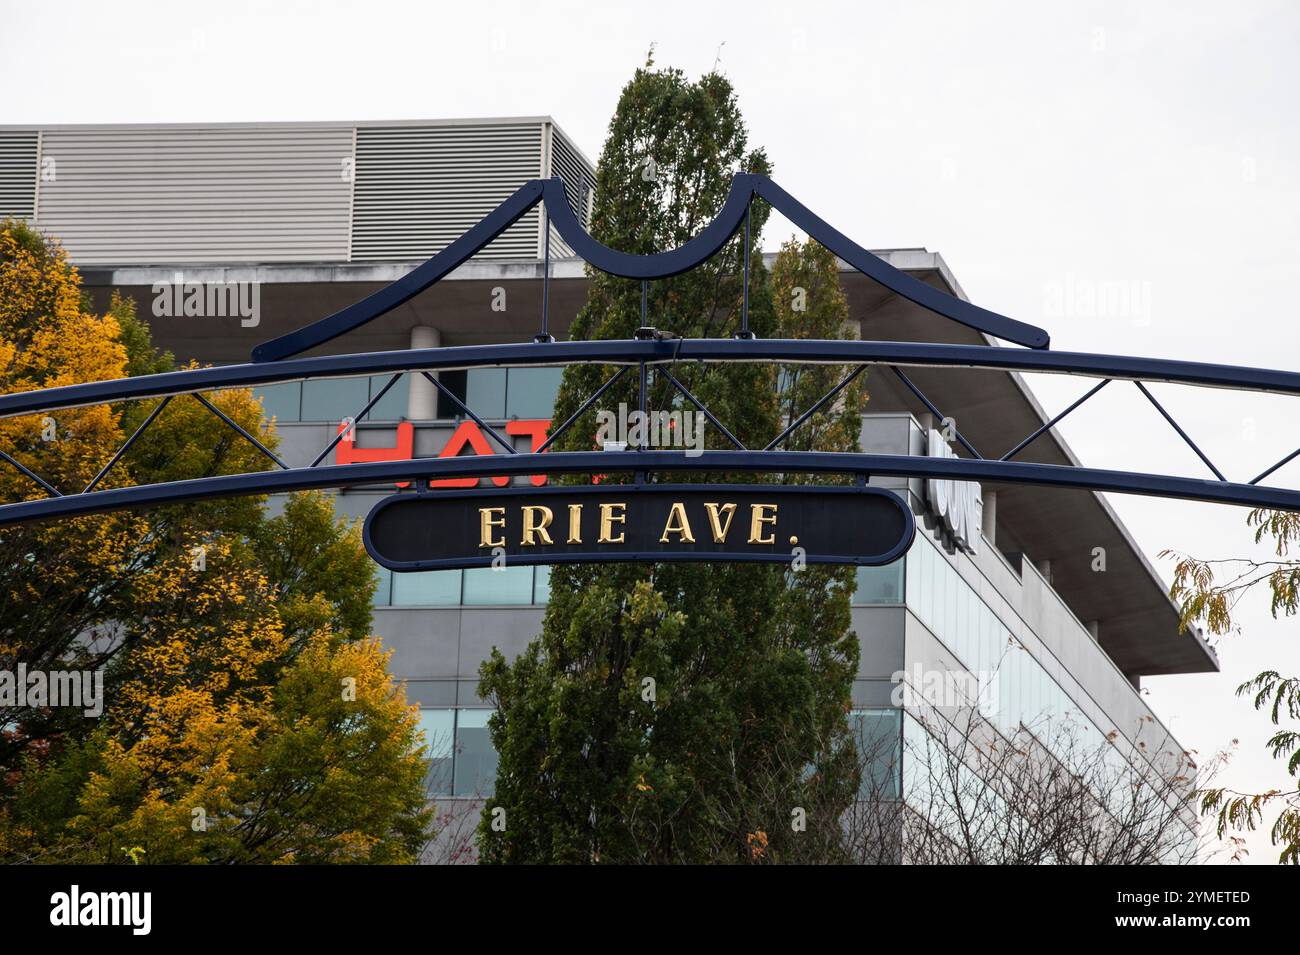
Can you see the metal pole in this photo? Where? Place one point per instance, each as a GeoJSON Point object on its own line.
{"type": "Point", "coordinates": [546, 336]}
{"type": "Point", "coordinates": [744, 304]}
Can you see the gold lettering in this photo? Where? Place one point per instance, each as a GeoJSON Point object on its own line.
{"type": "Point", "coordinates": [720, 530]}
{"type": "Point", "coordinates": [758, 516]}
{"type": "Point", "coordinates": [486, 523]}
{"type": "Point", "coordinates": [682, 526]}
{"type": "Point", "coordinates": [608, 518]}
{"type": "Point", "coordinates": [575, 524]}
{"type": "Point", "coordinates": [532, 528]}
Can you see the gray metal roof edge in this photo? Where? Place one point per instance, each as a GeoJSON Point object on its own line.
{"type": "Point", "coordinates": [287, 124]}
{"type": "Point", "coordinates": [298, 272]}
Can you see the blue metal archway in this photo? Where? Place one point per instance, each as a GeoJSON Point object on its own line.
{"type": "Point", "coordinates": [275, 361]}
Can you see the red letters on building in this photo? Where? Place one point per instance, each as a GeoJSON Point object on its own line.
{"type": "Point", "coordinates": [347, 451]}
{"type": "Point", "coordinates": [538, 429]}
{"type": "Point", "coordinates": [467, 433]}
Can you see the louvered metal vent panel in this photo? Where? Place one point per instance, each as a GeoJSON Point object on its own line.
{"type": "Point", "coordinates": [228, 194]}
{"type": "Point", "coordinates": [579, 185]}
{"type": "Point", "coordinates": [18, 173]}
{"type": "Point", "coordinates": [419, 188]}
{"type": "Point", "coordinates": [579, 180]}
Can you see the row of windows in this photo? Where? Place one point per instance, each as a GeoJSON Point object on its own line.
{"type": "Point", "coordinates": [524, 586]}
{"type": "Point", "coordinates": [476, 587]}
{"type": "Point", "coordinates": [463, 761]}
{"type": "Point", "coordinates": [493, 393]}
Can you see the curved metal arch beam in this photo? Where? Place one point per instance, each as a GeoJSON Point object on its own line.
{"type": "Point", "coordinates": [912, 289]}
{"type": "Point", "coordinates": [408, 286]}
{"type": "Point", "coordinates": [630, 352]}
{"type": "Point", "coordinates": [551, 192]}
{"type": "Point", "coordinates": [597, 462]}
{"type": "Point", "coordinates": [659, 265]}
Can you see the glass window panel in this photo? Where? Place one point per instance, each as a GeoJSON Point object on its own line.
{"type": "Point", "coordinates": [1006, 677]}
{"type": "Point", "coordinates": [542, 584]}
{"type": "Point", "coordinates": [952, 594]}
{"type": "Point", "coordinates": [394, 404]}
{"type": "Point", "coordinates": [996, 638]}
{"type": "Point", "coordinates": [934, 595]}
{"type": "Point", "coordinates": [1034, 680]}
{"type": "Point", "coordinates": [282, 402]}
{"type": "Point", "coordinates": [438, 729]}
{"type": "Point", "coordinates": [987, 641]}
{"type": "Point", "coordinates": [384, 590]}
{"type": "Point", "coordinates": [485, 392]}
{"type": "Point", "coordinates": [966, 619]}
{"type": "Point", "coordinates": [488, 586]}
{"type": "Point", "coordinates": [1006, 688]}
{"type": "Point", "coordinates": [876, 734]}
{"type": "Point", "coordinates": [907, 574]}
{"type": "Point", "coordinates": [530, 392]}
{"type": "Point", "coordinates": [934, 588]}
{"type": "Point", "coordinates": [960, 643]}
{"type": "Point", "coordinates": [453, 381]}
{"type": "Point", "coordinates": [880, 585]}
{"type": "Point", "coordinates": [435, 588]}
{"type": "Point", "coordinates": [996, 703]}
{"type": "Point", "coordinates": [940, 621]}
{"type": "Point", "coordinates": [918, 750]}
{"type": "Point", "coordinates": [1024, 712]}
{"type": "Point", "coordinates": [1044, 700]}
{"type": "Point", "coordinates": [333, 399]}
{"type": "Point", "coordinates": [984, 623]}
{"type": "Point", "coordinates": [981, 638]}
{"type": "Point", "coordinates": [916, 577]}
{"type": "Point", "coordinates": [476, 760]}
{"type": "Point", "coordinates": [967, 642]}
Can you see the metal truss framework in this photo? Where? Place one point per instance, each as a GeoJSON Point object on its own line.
{"type": "Point", "coordinates": [650, 354]}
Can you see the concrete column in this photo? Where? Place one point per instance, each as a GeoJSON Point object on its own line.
{"type": "Point", "coordinates": [422, 404]}
{"type": "Point", "coordinates": [989, 520]}
{"type": "Point", "coordinates": [1094, 628]}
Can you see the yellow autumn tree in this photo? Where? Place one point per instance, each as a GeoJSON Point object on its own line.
{"type": "Point", "coordinates": [247, 716]}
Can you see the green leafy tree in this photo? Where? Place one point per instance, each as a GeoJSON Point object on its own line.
{"type": "Point", "coordinates": [679, 712]}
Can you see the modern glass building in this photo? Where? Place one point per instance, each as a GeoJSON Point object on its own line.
{"type": "Point", "coordinates": [1001, 600]}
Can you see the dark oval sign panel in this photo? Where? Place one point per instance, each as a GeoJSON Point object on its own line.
{"type": "Point", "coordinates": [655, 522]}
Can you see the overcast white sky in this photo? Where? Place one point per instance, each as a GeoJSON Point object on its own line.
{"type": "Point", "coordinates": [1043, 151]}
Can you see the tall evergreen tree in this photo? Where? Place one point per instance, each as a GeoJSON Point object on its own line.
{"type": "Point", "coordinates": [679, 712]}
